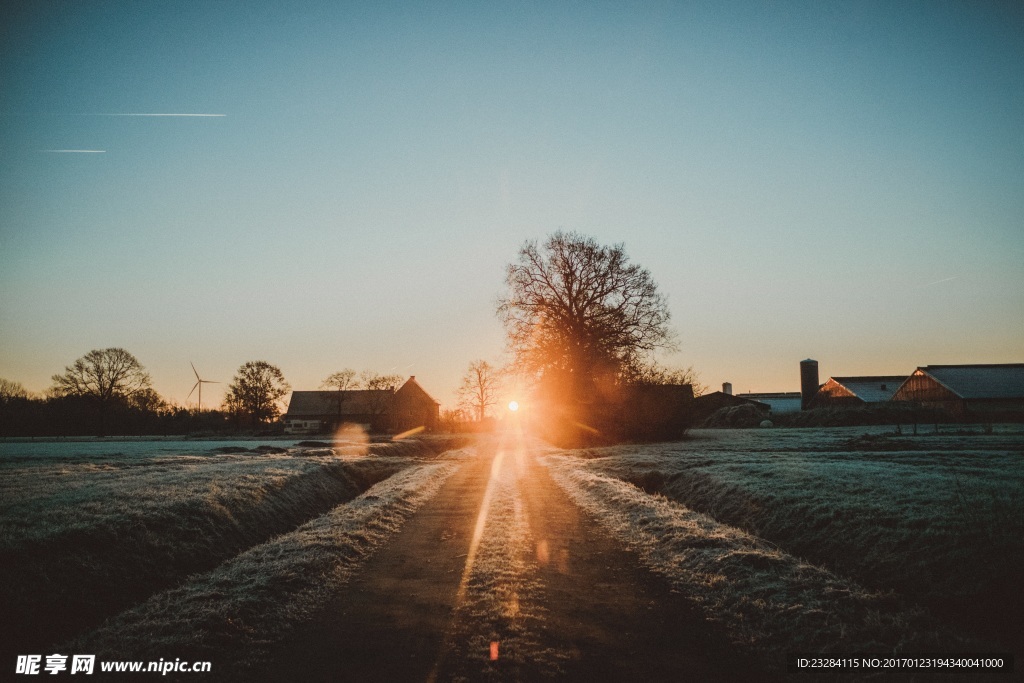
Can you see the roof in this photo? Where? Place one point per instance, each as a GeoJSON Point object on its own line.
{"type": "Point", "coordinates": [771, 394]}
{"type": "Point", "coordinates": [980, 381]}
{"type": "Point", "coordinates": [355, 402]}
{"type": "Point", "coordinates": [872, 389]}
{"type": "Point", "coordinates": [411, 385]}
{"type": "Point", "coordinates": [722, 397]}
{"type": "Point", "coordinates": [777, 401]}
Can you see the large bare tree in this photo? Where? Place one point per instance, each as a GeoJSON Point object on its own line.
{"type": "Point", "coordinates": [582, 310]}
{"type": "Point", "coordinates": [256, 390]}
{"type": "Point", "coordinates": [106, 377]}
{"type": "Point", "coordinates": [103, 374]}
{"type": "Point", "coordinates": [479, 389]}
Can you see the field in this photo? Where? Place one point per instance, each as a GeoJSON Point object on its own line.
{"type": "Point", "coordinates": [929, 526]}
{"type": "Point", "coordinates": [83, 537]}
{"type": "Point", "coordinates": [726, 549]}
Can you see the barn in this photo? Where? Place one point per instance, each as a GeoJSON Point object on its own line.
{"type": "Point", "coordinates": [857, 392]}
{"type": "Point", "coordinates": [958, 388]}
{"type": "Point", "coordinates": [376, 410]}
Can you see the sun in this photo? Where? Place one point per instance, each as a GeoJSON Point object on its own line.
{"type": "Point", "coordinates": [513, 406]}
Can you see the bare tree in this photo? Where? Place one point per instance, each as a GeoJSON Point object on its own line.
{"type": "Point", "coordinates": [256, 390]}
{"type": "Point", "coordinates": [104, 374]}
{"type": "Point", "coordinates": [342, 381]}
{"type": "Point", "coordinates": [581, 310]}
{"type": "Point", "coordinates": [11, 390]}
{"type": "Point", "coordinates": [381, 399]}
{"type": "Point", "coordinates": [451, 420]}
{"type": "Point", "coordinates": [106, 377]}
{"type": "Point", "coordinates": [372, 380]}
{"type": "Point", "coordinates": [479, 389]}
{"type": "Point", "coordinates": [658, 374]}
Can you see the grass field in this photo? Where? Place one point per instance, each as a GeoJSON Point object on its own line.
{"type": "Point", "coordinates": [84, 538]}
{"type": "Point", "coordinates": [936, 520]}
{"type": "Point", "coordinates": [232, 613]}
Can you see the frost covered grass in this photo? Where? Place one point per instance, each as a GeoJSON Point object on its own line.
{"type": "Point", "coordinates": [84, 538]}
{"type": "Point", "coordinates": [765, 600]}
{"type": "Point", "coordinates": [232, 614]}
{"type": "Point", "coordinates": [937, 518]}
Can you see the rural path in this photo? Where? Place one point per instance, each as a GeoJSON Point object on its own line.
{"type": "Point", "coordinates": [501, 577]}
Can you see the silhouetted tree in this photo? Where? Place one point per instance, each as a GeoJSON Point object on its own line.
{"type": "Point", "coordinates": [581, 311]}
{"type": "Point", "coordinates": [479, 389]}
{"type": "Point", "coordinates": [452, 420]}
{"type": "Point", "coordinates": [10, 390]}
{"type": "Point", "coordinates": [256, 390]}
{"type": "Point", "coordinates": [15, 408]}
{"type": "Point", "coordinates": [342, 381]}
{"type": "Point", "coordinates": [382, 398]}
{"type": "Point", "coordinates": [105, 377]}
{"type": "Point", "coordinates": [658, 374]}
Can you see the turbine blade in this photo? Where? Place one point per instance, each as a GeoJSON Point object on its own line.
{"type": "Point", "coordinates": [191, 392]}
{"type": "Point", "coordinates": [194, 370]}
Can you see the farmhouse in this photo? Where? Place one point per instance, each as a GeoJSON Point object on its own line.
{"type": "Point", "coordinates": [857, 392]}
{"type": "Point", "coordinates": [376, 410]}
{"type": "Point", "coordinates": [966, 387]}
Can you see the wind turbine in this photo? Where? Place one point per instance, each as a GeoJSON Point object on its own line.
{"type": "Point", "coordinates": [199, 383]}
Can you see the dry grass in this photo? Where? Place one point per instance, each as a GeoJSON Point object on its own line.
{"type": "Point", "coordinates": [231, 614]}
{"type": "Point", "coordinates": [937, 518]}
{"type": "Point", "coordinates": [84, 538]}
{"type": "Point", "coordinates": [765, 600]}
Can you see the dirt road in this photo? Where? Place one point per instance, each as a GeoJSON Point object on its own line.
{"type": "Point", "coordinates": [501, 577]}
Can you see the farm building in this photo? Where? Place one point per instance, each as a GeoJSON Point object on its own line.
{"type": "Point", "coordinates": [777, 402]}
{"type": "Point", "coordinates": [857, 392]}
{"type": "Point", "coordinates": [414, 407]}
{"type": "Point", "coordinates": [962, 387]}
{"type": "Point", "coordinates": [376, 410]}
{"type": "Point", "coordinates": [705, 404]}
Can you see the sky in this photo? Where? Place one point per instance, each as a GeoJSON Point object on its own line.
{"type": "Point", "coordinates": [836, 180]}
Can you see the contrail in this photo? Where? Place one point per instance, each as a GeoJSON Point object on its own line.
{"type": "Point", "coordinates": [74, 151]}
{"type": "Point", "coordinates": [185, 115]}
{"type": "Point", "coordinates": [113, 114]}
{"type": "Point", "coordinates": [941, 281]}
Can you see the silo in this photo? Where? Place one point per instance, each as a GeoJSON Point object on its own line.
{"type": "Point", "coordinates": [808, 382]}
{"type": "Point", "coordinates": [727, 388]}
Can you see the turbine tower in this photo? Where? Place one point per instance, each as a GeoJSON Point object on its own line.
{"type": "Point", "coordinates": [199, 383]}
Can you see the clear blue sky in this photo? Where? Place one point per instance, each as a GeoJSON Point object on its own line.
{"type": "Point", "coordinates": [836, 180]}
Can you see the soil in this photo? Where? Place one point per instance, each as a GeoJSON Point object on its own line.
{"type": "Point", "coordinates": [609, 617]}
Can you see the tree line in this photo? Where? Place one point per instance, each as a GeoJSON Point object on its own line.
{"type": "Point", "coordinates": [583, 325]}
{"type": "Point", "coordinates": [108, 391]}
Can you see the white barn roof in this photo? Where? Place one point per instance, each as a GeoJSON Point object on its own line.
{"type": "Point", "coordinates": [875, 389]}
